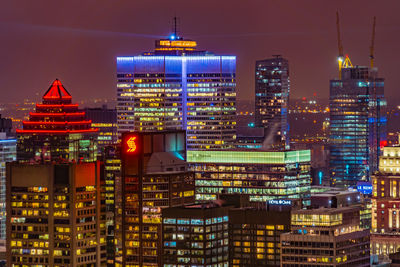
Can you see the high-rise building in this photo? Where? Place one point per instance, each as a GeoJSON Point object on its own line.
{"type": "Point", "coordinates": [8, 153]}
{"type": "Point", "coordinates": [57, 130]}
{"type": "Point", "coordinates": [196, 235]}
{"type": "Point", "coordinates": [357, 125]}
{"type": "Point", "coordinates": [326, 237]}
{"type": "Point", "coordinates": [177, 87]}
{"type": "Point", "coordinates": [263, 175]}
{"type": "Point", "coordinates": [104, 119]}
{"type": "Point", "coordinates": [55, 215]}
{"type": "Point", "coordinates": [385, 237]}
{"type": "Point", "coordinates": [112, 179]}
{"type": "Point", "coordinates": [272, 99]}
{"type": "Point", "coordinates": [254, 236]}
{"type": "Point", "coordinates": [226, 232]}
{"type": "Point", "coordinates": [154, 176]}
{"type": "Point", "coordinates": [5, 125]}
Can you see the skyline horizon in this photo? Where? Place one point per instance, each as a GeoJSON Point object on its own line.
{"type": "Point", "coordinates": [84, 43]}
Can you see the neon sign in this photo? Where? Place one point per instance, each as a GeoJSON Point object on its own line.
{"type": "Point", "coordinates": [131, 143]}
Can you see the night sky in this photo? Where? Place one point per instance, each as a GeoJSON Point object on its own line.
{"type": "Point", "coordinates": [77, 41]}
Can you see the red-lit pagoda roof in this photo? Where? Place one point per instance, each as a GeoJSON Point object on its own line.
{"type": "Point", "coordinates": [57, 91]}
{"type": "Point", "coordinates": [56, 115]}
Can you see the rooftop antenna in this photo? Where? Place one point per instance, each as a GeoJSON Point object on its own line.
{"type": "Point", "coordinates": [175, 25]}
{"type": "Point", "coordinates": [371, 48]}
{"type": "Point", "coordinates": [175, 28]}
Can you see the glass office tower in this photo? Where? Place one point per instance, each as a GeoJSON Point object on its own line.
{"type": "Point", "coordinates": [272, 99]}
{"type": "Point", "coordinates": [357, 125]}
{"type": "Point", "coordinates": [178, 87]}
{"type": "Point", "coordinates": [8, 153]}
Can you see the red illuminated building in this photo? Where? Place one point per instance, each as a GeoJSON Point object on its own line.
{"type": "Point", "coordinates": [57, 130]}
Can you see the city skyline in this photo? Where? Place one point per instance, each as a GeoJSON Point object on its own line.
{"type": "Point", "coordinates": [89, 38]}
{"type": "Point", "coordinates": [203, 160]}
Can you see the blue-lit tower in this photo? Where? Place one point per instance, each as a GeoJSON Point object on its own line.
{"type": "Point", "coordinates": [272, 87]}
{"type": "Point", "coordinates": [357, 125]}
{"type": "Point", "coordinates": [178, 87]}
{"type": "Point", "coordinates": [8, 153]}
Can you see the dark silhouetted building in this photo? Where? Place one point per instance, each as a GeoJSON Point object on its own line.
{"type": "Point", "coordinates": [5, 125]}
{"type": "Point", "coordinates": [104, 119]}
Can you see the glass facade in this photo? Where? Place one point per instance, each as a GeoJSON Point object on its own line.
{"type": "Point", "coordinates": [8, 153]}
{"type": "Point", "coordinates": [272, 99]}
{"type": "Point", "coordinates": [195, 240]}
{"type": "Point", "coordinates": [357, 125]}
{"type": "Point", "coordinates": [195, 92]}
{"type": "Point", "coordinates": [262, 175]}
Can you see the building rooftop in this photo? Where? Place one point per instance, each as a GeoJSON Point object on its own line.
{"type": "Point", "coordinates": [248, 156]}
{"type": "Point", "coordinates": [56, 114]}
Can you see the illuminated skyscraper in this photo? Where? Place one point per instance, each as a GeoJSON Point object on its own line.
{"type": "Point", "coordinates": [8, 153]}
{"type": "Point", "coordinates": [57, 130]}
{"type": "Point", "coordinates": [55, 215]}
{"type": "Point", "coordinates": [357, 125]}
{"type": "Point", "coordinates": [178, 87]}
{"type": "Point", "coordinates": [272, 99]}
{"type": "Point", "coordinates": [154, 176]}
{"type": "Point", "coordinates": [262, 175]}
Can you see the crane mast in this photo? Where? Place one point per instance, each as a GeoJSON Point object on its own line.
{"type": "Point", "coordinates": [371, 48]}
{"type": "Point", "coordinates": [340, 46]}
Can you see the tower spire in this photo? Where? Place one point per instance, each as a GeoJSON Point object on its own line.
{"type": "Point", "coordinates": [175, 26]}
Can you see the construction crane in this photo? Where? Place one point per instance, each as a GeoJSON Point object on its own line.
{"type": "Point", "coordinates": [371, 48]}
{"type": "Point", "coordinates": [340, 46]}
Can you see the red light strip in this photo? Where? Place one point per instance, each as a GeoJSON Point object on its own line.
{"type": "Point", "coordinates": [57, 122]}
{"type": "Point", "coordinates": [57, 97]}
{"type": "Point", "coordinates": [57, 114]}
{"type": "Point", "coordinates": [57, 132]}
{"type": "Point", "coordinates": [56, 105]}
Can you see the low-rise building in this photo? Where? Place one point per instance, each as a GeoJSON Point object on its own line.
{"type": "Point", "coordinates": [326, 237]}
